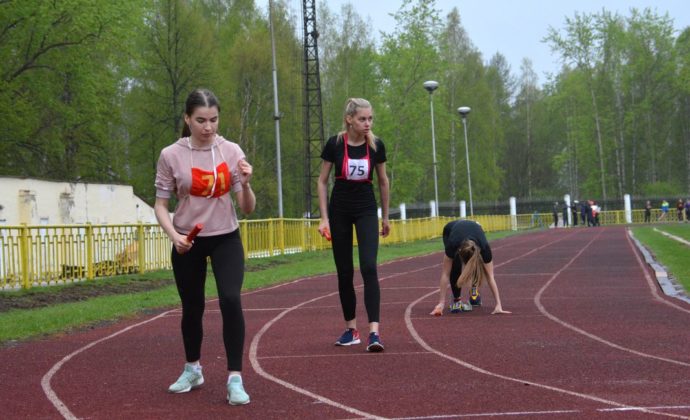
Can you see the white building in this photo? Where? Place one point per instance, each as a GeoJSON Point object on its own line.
{"type": "Point", "coordinates": [38, 202]}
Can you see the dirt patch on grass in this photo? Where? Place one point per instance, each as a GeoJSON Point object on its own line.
{"type": "Point", "coordinates": [261, 265]}
{"type": "Point", "coordinates": [39, 297]}
{"type": "Point", "coordinates": [53, 295]}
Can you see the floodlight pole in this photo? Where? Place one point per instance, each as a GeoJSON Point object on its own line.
{"type": "Point", "coordinates": [431, 86]}
{"type": "Point", "coordinates": [463, 111]}
{"type": "Point", "coordinates": [276, 115]}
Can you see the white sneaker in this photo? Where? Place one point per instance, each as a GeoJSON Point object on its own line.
{"type": "Point", "coordinates": [190, 379]}
{"type": "Point", "coordinates": [236, 393]}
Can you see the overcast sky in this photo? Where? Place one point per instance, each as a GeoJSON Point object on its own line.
{"type": "Point", "coordinates": [513, 28]}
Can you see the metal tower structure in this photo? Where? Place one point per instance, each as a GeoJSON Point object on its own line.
{"type": "Point", "coordinates": [313, 113]}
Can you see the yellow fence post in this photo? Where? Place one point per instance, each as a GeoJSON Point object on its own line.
{"type": "Point", "coordinates": [90, 275]}
{"type": "Point", "coordinates": [25, 257]}
{"type": "Point", "coordinates": [141, 249]}
{"type": "Point", "coordinates": [303, 236]}
{"type": "Point", "coordinates": [281, 238]}
{"type": "Point", "coordinates": [271, 237]}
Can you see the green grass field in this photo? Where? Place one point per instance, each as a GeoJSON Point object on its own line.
{"type": "Point", "coordinates": [673, 255]}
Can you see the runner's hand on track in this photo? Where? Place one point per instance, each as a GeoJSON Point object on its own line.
{"type": "Point", "coordinates": [438, 310]}
{"type": "Point", "coordinates": [499, 310]}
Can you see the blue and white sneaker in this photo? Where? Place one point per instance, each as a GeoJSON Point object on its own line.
{"type": "Point", "coordinates": [236, 393]}
{"type": "Point", "coordinates": [375, 345]}
{"type": "Point", "coordinates": [349, 337]}
{"type": "Point", "coordinates": [455, 306]}
{"type": "Point", "coordinates": [459, 306]}
{"type": "Point", "coordinates": [191, 378]}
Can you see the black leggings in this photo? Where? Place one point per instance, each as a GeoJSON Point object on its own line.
{"type": "Point", "coordinates": [368, 245]}
{"type": "Point", "coordinates": [454, 274]}
{"type": "Point", "coordinates": [227, 262]}
{"type": "Point", "coordinates": [455, 271]}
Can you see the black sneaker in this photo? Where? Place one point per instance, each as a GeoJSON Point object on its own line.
{"type": "Point", "coordinates": [375, 345]}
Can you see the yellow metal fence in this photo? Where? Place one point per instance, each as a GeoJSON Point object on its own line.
{"type": "Point", "coordinates": [58, 254]}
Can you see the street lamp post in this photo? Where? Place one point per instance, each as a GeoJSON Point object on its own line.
{"type": "Point", "coordinates": [276, 114]}
{"type": "Point", "coordinates": [431, 86]}
{"type": "Point", "coordinates": [463, 111]}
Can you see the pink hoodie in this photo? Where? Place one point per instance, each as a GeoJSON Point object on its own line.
{"type": "Point", "coordinates": [201, 179]}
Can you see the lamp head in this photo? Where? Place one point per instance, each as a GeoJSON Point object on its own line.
{"type": "Point", "coordinates": [464, 110]}
{"type": "Point", "coordinates": [431, 85]}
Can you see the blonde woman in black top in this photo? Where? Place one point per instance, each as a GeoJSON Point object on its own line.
{"type": "Point", "coordinates": [467, 261]}
{"type": "Point", "coordinates": [355, 154]}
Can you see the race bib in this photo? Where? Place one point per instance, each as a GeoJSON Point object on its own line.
{"type": "Point", "coordinates": [204, 184]}
{"type": "Point", "coordinates": [357, 169]}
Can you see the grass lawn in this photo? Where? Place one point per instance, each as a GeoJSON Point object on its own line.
{"type": "Point", "coordinates": [682, 230]}
{"type": "Point", "coordinates": [673, 255]}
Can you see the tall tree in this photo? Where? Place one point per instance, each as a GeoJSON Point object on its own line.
{"type": "Point", "coordinates": [683, 82]}
{"type": "Point", "coordinates": [61, 66]}
{"type": "Point", "coordinates": [409, 56]}
{"type": "Point", "coordinates": [175, 52]}
{"type": "Point", "coordinates": [348, 61]}
{"type": "Point", "coordinates": [577, 47]}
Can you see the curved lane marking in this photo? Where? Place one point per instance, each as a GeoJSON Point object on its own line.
{"type": "Point", "coordinates": [253, 358]}
{"type": "Point", "coordinates": [543, 310]}
{"type": "Point", "coordinates": [255, 341]}
{"type": "Point", "coordinates": [45, 381]}
{"type": "Point", "coordinates": [62, 408]}
{"type": "Point", "coordinates": [426, 346]}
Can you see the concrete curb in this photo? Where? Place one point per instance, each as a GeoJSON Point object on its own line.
{"type": "Point", "coordinates": [667, 283]}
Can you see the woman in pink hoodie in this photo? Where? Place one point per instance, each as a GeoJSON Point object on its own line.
{"type": "Point", "coordinates": [200, 169]}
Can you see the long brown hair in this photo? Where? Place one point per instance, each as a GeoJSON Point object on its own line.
{"type": "Point", "coordinates": [473, 270]}
{"type": "Point", "coordinates": [352, 105]}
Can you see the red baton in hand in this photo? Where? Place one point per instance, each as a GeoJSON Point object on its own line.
{"type": "Point", "coordinates": [327, 234]}
{"type": "Point", "coordinates": [195, 231]}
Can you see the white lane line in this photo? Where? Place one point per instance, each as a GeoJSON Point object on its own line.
{"type": "Point", "coordinates": [51, 395]}
{"type": "Point", "coordinates": [497, 414]}
{"type": "Point", "coordinates": [45, 381]}
{"type": "Point", "coordinates": [543, 310]}
{"type": "Point", "coordinates": [470, 366]}
{"type": "Point", "coordinates": [542, 413]}
{"type": "Point", "coordinates": [254, 359]}
{"type": "Point", "coordinates": [359, 354]}
{"type": "Point", "coordinates": [658, 407]}
{"type": "Point", "coordinates": [62, 408]}
{"type": "Point", "coordinates": [674, 237]}
{"type": "Point", "coordinates": [426, 346]}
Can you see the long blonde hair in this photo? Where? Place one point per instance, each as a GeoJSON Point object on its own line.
{"type": "Point", "coordinates": [352, 105]}
{"type": "Point", "coordinates": [473, 270]}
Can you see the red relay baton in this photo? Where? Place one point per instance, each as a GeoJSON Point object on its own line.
{"type": "Point", "coordinates": [327, 234]}
{"type": "Point", "coordinates": [195, 231]}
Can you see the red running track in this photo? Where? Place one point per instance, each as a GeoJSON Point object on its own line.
{"type": "Point", "coordinates": [591, 336]}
